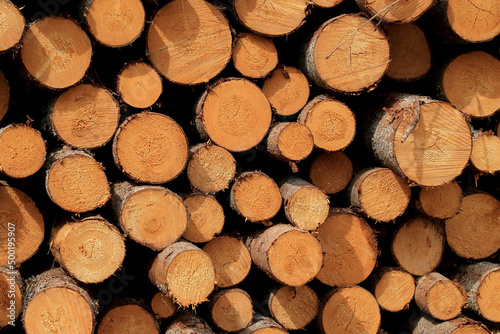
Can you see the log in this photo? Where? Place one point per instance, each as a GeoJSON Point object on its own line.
{"type": "Point", "coordinates": [189, 323]}
{"type": "Point", "coordinates": [306, 206]}
{"type": "Point", "coordinates": [83, 116]}
{"type": "Point", "coordinates": [255, 196]}
{"type": "Point", "coordinates": [474, 232]}
{"type": "Point", "coordinates": [439, 296]}
{"type": "Point", "coordinates": [69, 174]}
{"type": "Point", "coordinates": [471, 83]}
{"type": "Point", "coordinates": [140, 212]}
{"type": "Point", "coordinates": [349, 309]}
{"type": "Point", "coordinates": [485, 155]}
{"type": "Point", "coordinates": [347, 54]}
{"type": "Point", "coordinates": [462, 325]}
{"type": "Point", "coordinates": [287, 89]}
{"type": "Point", "coordinates": [254, 56]}
{"type": "Point", "coordinates": [481, 281]}
{"type": "Point", "coordinates": [139, 85]}
{"type": "Point", "coordinates": [184, 272]}
{"type": "Point", "coordinates": [4, 95]}
{"type": "Point", "coordinates": [11, 296]}
{"type": "Point", "coordinates": [425, 140]}
{"type": "Point", "coordinates": [331, 171]}
{"type": "Point", "coordinates": [379, 193]}
{"type": "Point", "coordinates": [473, 22]}
{"type": "Point", "coordinates": [331, 122]}
{"type": "Point", "coordinates": [22, 150]}
{"type": "Point", "coordinates": [394, 288]}
{"type": "Point", "coordinates": [128, 317]}
{"type": "Point", "coordinates": [350, 249]}
{"type": "Point", "coordinates": [89, 249]}
{"type": "Point", "coordinates": [287, 254]}
{"type": "Point", "coordinates": [231, 310]}
{"type": "Point", "coordinates": [440, 202]}
{"type": "Point", "coordinates": [178, 37]}
{"type": "Point", "coordinates": [418, 245]}
{"type": "Point", "coordinates": [231, 260]}
{"type": "Point", "coordinates": [56, 52]}
{"type": "Point", "coordinates": [263, 325]}
{"type": "Point", "coordinates": [281, 17]}
{"type": "Point", "coordinates": [290, 141]}
{"type": "Point", "coordinates": [150, 147]}
{"type": "Point", "coordinates": [54, 303]}
{"type": "Point", "coordinates": [234, 113]}
{"type": "Point", "coordinates": [163, 306]}
{"type": "Point", "coordinates": [114, 23]}
{"type": "Point", "coordinates": [211, 168]}
{"type": "Point", "coordinates": [410, 53]}
{"type": "Point", "coordinates": [326, 3]}
{"type": "Point", "coordinates": [13, 25]}
{"type": "Point", "coordinates": [395, 11]}
{"type": "Point", "coordinates": [293, 307]}
{"type": "Point", "coordinates": [23, 224]}
{"type": "Point", "coordinates": [206, 218]}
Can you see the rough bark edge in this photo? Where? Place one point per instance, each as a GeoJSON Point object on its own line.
{"type": "Point", "coordinates": [428, 325]}
{"type": "Point", "coordinates": [260, 321]}
{"type": "Point", "coordinates": [186, 322]}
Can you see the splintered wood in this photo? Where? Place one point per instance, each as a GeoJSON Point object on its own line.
{"type": "Point", "coordinates": [250, 166]}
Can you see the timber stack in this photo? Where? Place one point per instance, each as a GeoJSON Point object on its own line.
{"type": "Point", "coordinates": [249, 166]}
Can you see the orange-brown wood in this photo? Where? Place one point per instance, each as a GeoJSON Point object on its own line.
{"type": "Point", "coordinates": [331, 171]}
{"type": "Point", "coordinates": [13, 25]}
{"type": "Point", "coordinates": [128, 317]}
{"type": "Point", "coordinates": [254, 56]}
{"type": "Point", "coordinates": [293, 307]}
{"type": "Point", "coordinates": [139, 85]}
{"type": "Point", "coordinates": [206, 218]}
{"type": "Point", "coordinates": [394, 288]}
{"type": "Point", "coordinates": [231, 310]}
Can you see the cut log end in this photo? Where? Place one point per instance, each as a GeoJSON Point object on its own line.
{"type": "Point", "coordinates": [481, 26]}
{"type": "Point", "coordinates": [116, 23]}
{"type": "Point", "coordinates": [234, 114]}
{"type": "Point", "coordinates": [350, 249]}
{"type": "Point", "coordinates": [22, 151]}
{"type": "Point", "coordinates": [272, 19]}
{"type": "Point", "coordinates": [347, 54]}
{"type": "Point", "coordinates": [331, 122]}
{"type": "Point", "coordinates": [485, 155]}
{"type": "Point", "coordinates": [326, 3]}
{"type": "Point", "coordinates": [19, 215]}
{"type": "Point", "coordinates": [85, 116]}
{"type": "Point", "coordinates": [440, 202]}
{"type": "Point", "coordinates": [331, 171]}
{"type": "Point", "coordinates": [139, 85]}
{"type": "Point", "coordinates": [211, 168]}
{"type": "Point", "coordinates": [68, 179]}
{"type": "Point", "coordinates": [474, 232]}
{"type": "Point", "coordinates": [410, 53]}
{"type": "Point", "coordinates": [56, 52]}
{"type": "Point", "coordinates": [184, 272]}
{"type": "Point", "coordinates": [254, 56]}
{"type": "Point", "coordinates": [306, 206]}
{"type": "Point", "coordinates": [488, 296]}
{"type": "Point", "coordinates": [178, 37]}
{"type": "Point", "coordinates": [163, 306]}
{"type": "Point", "coordinates": [294, 307]}
{"type": "Point", "coordinates": [350, 306]}
{"type": "Point", "coordinates": [150, 147]}
{"type": "Point", "coordinates": [206, 218]}
{"type": "Point", "coordinates": [395, 11]}
{"type": "Point", "coordinates": [463, 83]}
{"type": "Point", "coordinates": [11, 296]}
{"type": "Point", "coordinates": [231, 310]}
{"type": "Point", "coordinates": [12, 25]}
{"type": "Point", "coordinates": [4, 95]}
{"type": "Point", "coordinates": [418, 245]}
{"type": "Point", "coordinates": [90, 250]}
{"type": "Point", "coordinates": [231, 260]}
{"type": "Point", "coordinates": [394, 289]}
{"type": "Point", "coordinates": [142, 214]}
{"type": "Point", "coordinates": [380, 193]}
{"type": "Point", "coordinates": [287, 90]}
{"type": "Point", "coordinates": [255, 196]}
{"type": "Point", "coordinates": [290, 141]}
{"type": "Point", "coordinates": [460, 325]}
{"type": "Point", "coordinates": [439, 297]}
{"type": "Point", "coordinates": [128, 318]}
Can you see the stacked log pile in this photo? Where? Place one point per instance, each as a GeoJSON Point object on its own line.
{"type": "Point", "coordinates": [249, 166]}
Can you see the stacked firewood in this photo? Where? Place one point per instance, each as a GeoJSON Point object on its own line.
{"type": "Point", "coordinates": [250, 166]}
